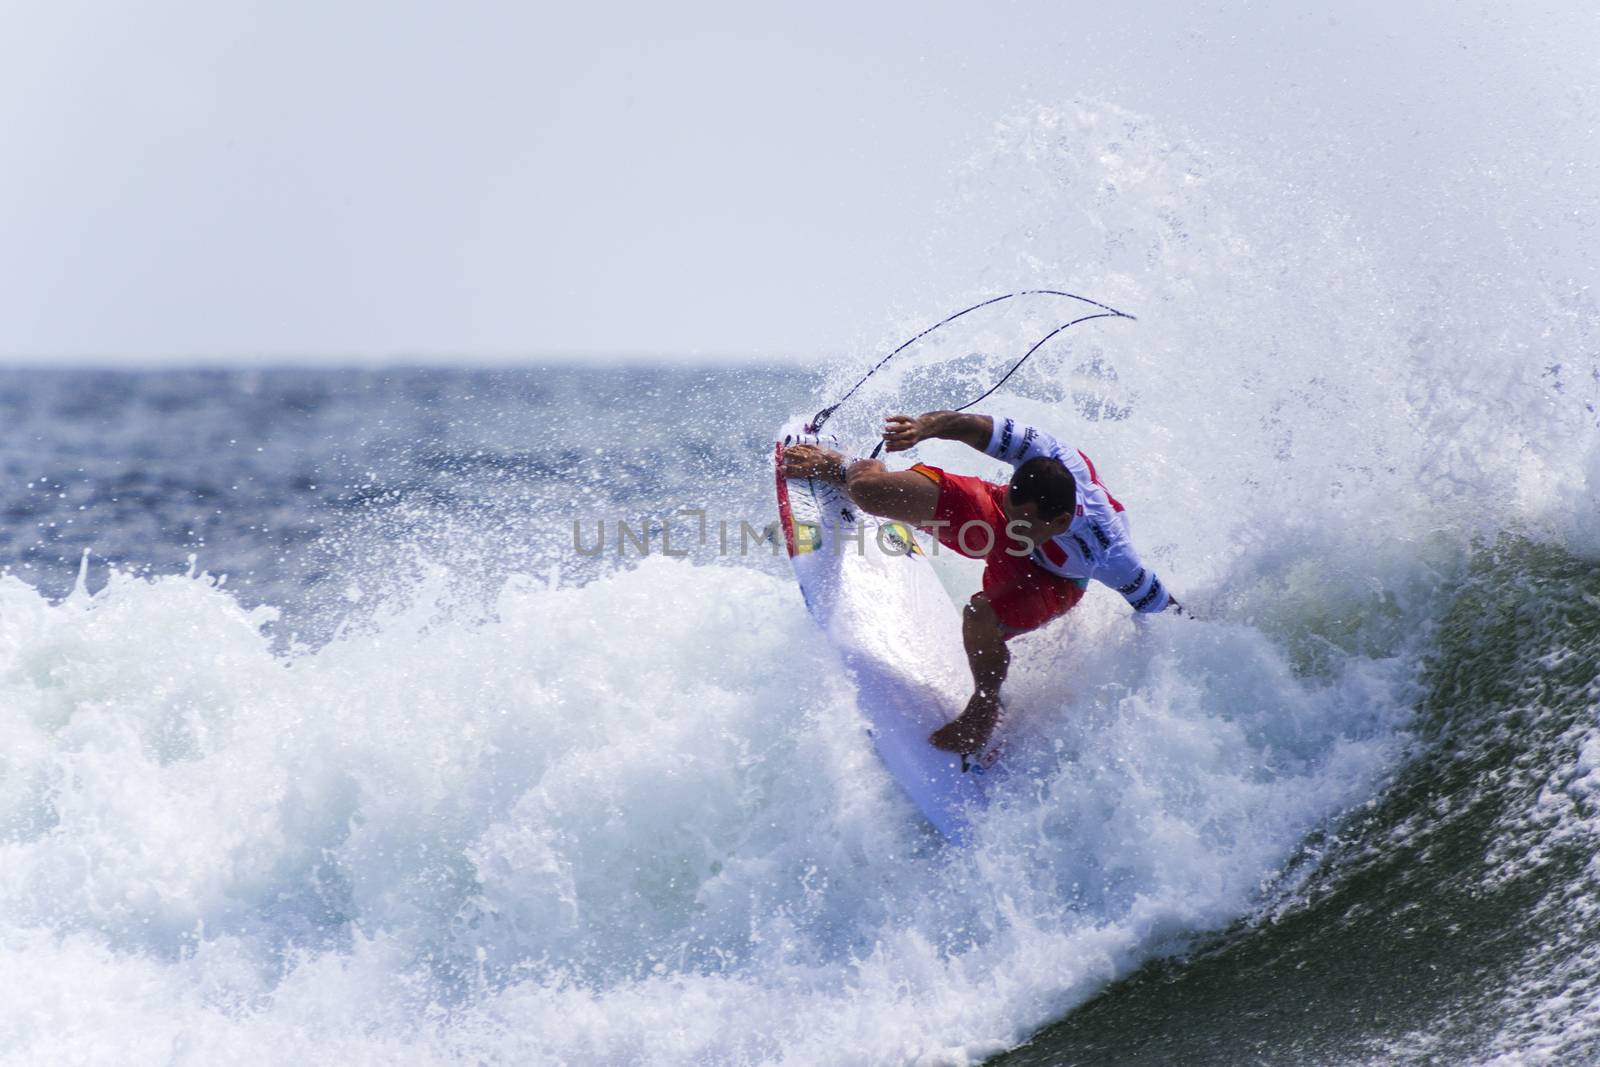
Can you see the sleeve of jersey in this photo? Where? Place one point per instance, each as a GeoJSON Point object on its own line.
{"type": "Point", "coordinates": [1142, 590]}
{"type": "Point", "coordinates": [1016, 443]}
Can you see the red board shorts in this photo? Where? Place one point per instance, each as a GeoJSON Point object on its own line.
{"type": "Point", "coordinates": [1023, 594]}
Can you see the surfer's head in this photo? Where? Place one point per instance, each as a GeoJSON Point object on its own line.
{"type": "Point", "coordinates": [1042, 498]}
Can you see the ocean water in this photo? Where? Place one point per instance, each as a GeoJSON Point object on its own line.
{"type": "Point", "coordinates": [325, 738]}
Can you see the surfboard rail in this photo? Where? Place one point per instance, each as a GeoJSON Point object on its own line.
{"type": "Point", "coordinates": [870, 586]}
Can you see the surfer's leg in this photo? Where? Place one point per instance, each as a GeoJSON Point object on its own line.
{"type": "Point", "coordinates": [987, 655]}
{"type": "Point", "coordinates": [1018, 596]}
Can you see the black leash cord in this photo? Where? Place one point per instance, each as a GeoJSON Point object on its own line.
{"type": "Point", "coordinates": [1106, 311]}
{"type": "Point", "coordinates": [987, 393]}
{"type": "Point", "coordinates": [1040, 344]}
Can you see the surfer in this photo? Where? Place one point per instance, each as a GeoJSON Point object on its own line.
{"type": "Point", "coordinates": [1042, 537]}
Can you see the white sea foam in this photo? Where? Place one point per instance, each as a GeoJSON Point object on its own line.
{"type": "Point", "coordinates": [636, 821]}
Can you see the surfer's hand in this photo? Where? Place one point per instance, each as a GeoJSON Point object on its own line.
{"type": "Point", "coordinates": [810, 461]}
{"type": "Point", "coordinates": [900, 432]}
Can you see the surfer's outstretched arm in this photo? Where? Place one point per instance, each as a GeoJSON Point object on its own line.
{"type": "Point", "coordinates": [901, 495]}
{"type": "Point", "coordinates": [989, 659]}
{"type": "Point", "coordinates": [900, 432]}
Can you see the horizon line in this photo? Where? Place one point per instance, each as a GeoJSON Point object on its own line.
{"type": "Point", "coordinates": [416, 360]}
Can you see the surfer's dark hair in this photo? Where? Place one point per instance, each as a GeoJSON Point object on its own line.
{"type": "Point", "coordinates": [1045, 480]}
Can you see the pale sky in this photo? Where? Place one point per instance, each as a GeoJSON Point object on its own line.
{"type": "Point", "coordinates": [228, 179]}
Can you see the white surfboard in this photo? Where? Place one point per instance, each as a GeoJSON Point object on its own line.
{"type": "Point", "coordinates": [869, 584]}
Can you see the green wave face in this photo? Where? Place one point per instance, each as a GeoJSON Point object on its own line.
{"type": "Point", "coordinates": [1456, 918]}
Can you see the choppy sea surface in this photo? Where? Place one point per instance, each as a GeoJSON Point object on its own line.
{"type": "Point", "coordinates": [324, 736]}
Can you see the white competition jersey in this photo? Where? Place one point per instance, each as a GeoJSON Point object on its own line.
{"type": "Point", "coordinates": [1096, 545]}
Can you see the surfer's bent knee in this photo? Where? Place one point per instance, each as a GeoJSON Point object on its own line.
{"type": "Point", "coordinates": [979, 609]}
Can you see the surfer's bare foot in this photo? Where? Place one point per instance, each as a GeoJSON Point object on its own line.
{"type": "Point", "coordinates": [812, 461]}
{"type": "Point", "coordinates": [969, 731]}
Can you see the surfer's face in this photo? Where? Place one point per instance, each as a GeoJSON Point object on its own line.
{"type": "Point", "coordinates": [1025, 520]}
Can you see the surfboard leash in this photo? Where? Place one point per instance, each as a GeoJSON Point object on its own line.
{"type": "Point", "coordinates": [1106, 312]}
{"type": "Point", "coordinates": [987, 393]}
